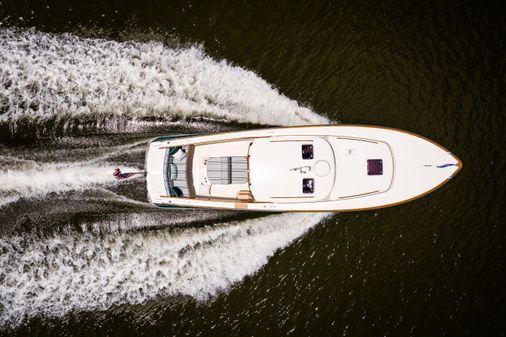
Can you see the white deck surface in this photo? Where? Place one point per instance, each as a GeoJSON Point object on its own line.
{"type": "Point", "coordinates": [277, 169]}
{"type": "Point", "coordinates": [352, 178]}
{"type": "Point", "coordinates": [409, 168]}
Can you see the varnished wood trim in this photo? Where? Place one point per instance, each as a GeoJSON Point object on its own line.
{"type": "Point", "coordinates": [189, 172]}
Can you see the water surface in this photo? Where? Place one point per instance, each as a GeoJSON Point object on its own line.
{"type": "Point", "coordinates": [85, 85]}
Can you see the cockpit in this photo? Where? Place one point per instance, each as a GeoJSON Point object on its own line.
{"type": "Point", "coordinates": [281, 169]}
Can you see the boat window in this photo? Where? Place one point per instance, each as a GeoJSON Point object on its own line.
{"type": "Point", "coordinates": [308, 185]}
{"type": "Point", "coordinates": [307, 151]}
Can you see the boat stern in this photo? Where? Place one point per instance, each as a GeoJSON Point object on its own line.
{"type": "Point", "coordinates": [155, 156]}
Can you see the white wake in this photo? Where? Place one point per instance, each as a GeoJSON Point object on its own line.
{"type": "Point", "coordinates": [64, 76]}
{"type": "Point", "coordinates": [60, 274]}
{"type": "Point", "coordinates": [48, 178]}
{"type": "Point", "coordinates": [22, 178]}
{"type": "Point", "coordinates": [48, 75]}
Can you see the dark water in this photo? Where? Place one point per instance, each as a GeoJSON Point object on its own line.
{"type": "Point", "coordinates": [83, 255]}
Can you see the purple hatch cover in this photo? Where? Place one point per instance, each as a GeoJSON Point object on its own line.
{"type": "Point", "coordinates": [374, 167]}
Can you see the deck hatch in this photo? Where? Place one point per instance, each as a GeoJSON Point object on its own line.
{"type": "Point", "coordinates": [308, 185]}
{"type": "Point", "coordinates": [374, 167]}
{"type": "Point", "coordinates": [307, 151]}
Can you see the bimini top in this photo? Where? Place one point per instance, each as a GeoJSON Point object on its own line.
{"type": "Point", "coordinates": [291, 169]}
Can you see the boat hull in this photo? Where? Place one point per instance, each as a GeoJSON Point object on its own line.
{"type": "Point", "coordinates": [415, 167]}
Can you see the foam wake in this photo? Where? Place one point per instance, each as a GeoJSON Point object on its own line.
{"type": "Point", "coordinates": [48, 178]}
{"type": "Point", "coordinates": [26, 178]}
{"type": "Point", "coordinates": [46, 76]}
{"type": "Point", "coordinates": [127, 222]}
{"type": "Point", "coordinates": [60, 274]}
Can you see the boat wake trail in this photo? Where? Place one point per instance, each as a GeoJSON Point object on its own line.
{"type": "Point", "coordinates": [65, 76]}
{"type": "Point", "coordinates": [22, 178]}
{"type": "Point", "coordinates": [63, 273]}
{"type": "Point", "coordinates": [48, 178]}
{"type": "Point", "coordinates": [53, 81]}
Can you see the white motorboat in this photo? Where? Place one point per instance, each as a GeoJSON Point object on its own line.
{"type": "Point", "coordinates": [307, 168]}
